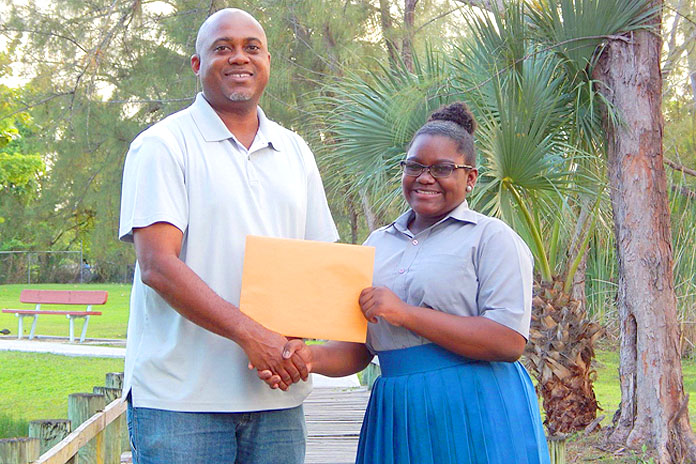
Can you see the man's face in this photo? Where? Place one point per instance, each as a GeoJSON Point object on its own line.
{"type": "Point", "coordinates": [232, 61]}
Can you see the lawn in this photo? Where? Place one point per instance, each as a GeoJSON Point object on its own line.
{"type": "Point", "coordinates": [608, 391]}
{"type": "Point", "coordinates": [111, 324]}
{"type": "Point", "coordinates": [36, 386]}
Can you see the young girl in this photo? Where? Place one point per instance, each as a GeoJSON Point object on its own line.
{"type": "Point", "coordinates": [449, 317]}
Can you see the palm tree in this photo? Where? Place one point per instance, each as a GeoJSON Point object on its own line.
{"type": "Point", "coordinates": [525, 73]}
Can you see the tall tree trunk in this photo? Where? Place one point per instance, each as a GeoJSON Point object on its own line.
{"type": "Point", "coordinates": [354, 218]}
{"type": "Point", "coordinates": [673, 53]}
{"type": "Point", "coordinates": [653, 404]}
{"type": "Point", "coordinates": [409, 19]}
{"type": "Point", "coordinates": [692, 77]}
{"type": "Point", "coordinates": [388, 31]}
{"type": "Point", "coordinates": [371, 218]}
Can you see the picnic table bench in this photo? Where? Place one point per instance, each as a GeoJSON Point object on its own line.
{"type": "Point", "coordinates": [59, 297]}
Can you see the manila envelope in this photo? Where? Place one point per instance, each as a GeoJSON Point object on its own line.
{"type": "Point", "coordinates": [306, 289]}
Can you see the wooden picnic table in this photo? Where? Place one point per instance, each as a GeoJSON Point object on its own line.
{"type": "Point", "coordinates": [86, 298]}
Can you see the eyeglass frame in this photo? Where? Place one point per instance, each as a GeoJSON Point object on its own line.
{"type": "Point", "coordinates": [424, 168]}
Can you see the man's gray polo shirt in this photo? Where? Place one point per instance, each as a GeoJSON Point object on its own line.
{"type": "Point", "coordinates": [190, 171]}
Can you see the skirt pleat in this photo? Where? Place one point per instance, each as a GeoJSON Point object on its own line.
{"type": "Point", "coordinates": [432, 406]}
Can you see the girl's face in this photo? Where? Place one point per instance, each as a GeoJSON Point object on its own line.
{"type": "Point", "coordinates": [432, 198]}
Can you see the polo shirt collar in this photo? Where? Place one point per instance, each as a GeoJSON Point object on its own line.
{"type": "Point", "coordinates": [266, 133]}
{"type": "Point", "coordinates": [461, 213]}
{"type": "Point", "coordinates": [214, 130]}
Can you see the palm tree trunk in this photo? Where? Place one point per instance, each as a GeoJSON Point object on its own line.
{"type": "Point", "coordinates": [653, 404]}
{"type": "Point", "coordinates": [577, 290]}
{"type": "Point", "coordinates": [559, 355]}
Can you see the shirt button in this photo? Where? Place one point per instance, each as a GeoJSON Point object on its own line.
{"type": "Point", "coordinates": [402, 270]}
{"type": "Point", "coordinates": [415, 242]}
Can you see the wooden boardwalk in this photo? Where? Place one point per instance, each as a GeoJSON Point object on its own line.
{"type": "Point", "coordinates": [334, 416]}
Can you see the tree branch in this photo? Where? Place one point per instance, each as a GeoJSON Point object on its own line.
{"type": "Point", "coordinates": [41, 102]}
{"type": "Point", "coordinates": [159, 100]}
{"type": "Point", "coordinates": [679, 167]}
{"type": "Point", "coordinates": [432, 20]}
{"type": "Point", "coordinates": [677, 12]}
{"type": "Point", "coordinates": [687, 192]}
{"type": "Point", "coordinates": [50, 34]}
{"type": "Point", "coordinates": [485, 4]}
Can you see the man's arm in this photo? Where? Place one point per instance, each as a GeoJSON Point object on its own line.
{"type": "Point", "coordinates": [157, 248]}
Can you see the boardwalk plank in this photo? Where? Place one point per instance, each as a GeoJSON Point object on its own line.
{"type": "Point", "coordinates": [334, 417]}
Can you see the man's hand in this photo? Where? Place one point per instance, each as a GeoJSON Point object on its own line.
{"type": "Point", "coordinates": [265, 350]}
{"type": "Point", "coordinates": [294, 349]}
{"type": "Point", "coordinates": [381, 302]}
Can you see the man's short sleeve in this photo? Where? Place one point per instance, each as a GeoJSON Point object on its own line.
{"type": "Point", "coordinates": [320, 225]}
{"type": "Point", "coordinates": [153, 187]}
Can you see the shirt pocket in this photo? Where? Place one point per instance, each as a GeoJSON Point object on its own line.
{"type": "Point", "coordinates": [445, 282]}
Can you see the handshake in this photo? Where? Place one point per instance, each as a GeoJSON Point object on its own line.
{"type": "Point", "coordinates": [281, 361]}
{"type": "Point", "coordinates": [295, 365]}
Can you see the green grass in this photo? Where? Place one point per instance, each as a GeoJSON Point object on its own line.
{"type": "Point", "coordinates": [111, 324]}
{"type": "Point", "coordinates": [608, 391]}
{"type": "Point", "coordinates": [607, 387]}
{"type": "Point", "coordinates": [11, 427]}
{"type": "Point", "coordinates": [36, 386]}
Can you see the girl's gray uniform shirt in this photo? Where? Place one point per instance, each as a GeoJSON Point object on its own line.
{"type": "Point", "coordinates": [467, 264]}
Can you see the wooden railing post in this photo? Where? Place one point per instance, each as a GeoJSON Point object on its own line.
{"type": "Point", "coordinates": [82, 406]}
{"type": "Point", "coordinates": [89, 431]}
{"type": "Point", "coordinates": [370, 374]}
{"type": "Point", "coordinates": [49, 432]}
{"type": "Point", "coordinates": [112, 434]}
{"type": "Point", "coordinates": [19, 450]}
{"type": "Point", "coordinates": [115, 380]}
{"type": "Point", "coordinates": [557, 449]}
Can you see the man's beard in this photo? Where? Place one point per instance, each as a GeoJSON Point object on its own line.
{"type": "Point", "coordinates": [238, 97]}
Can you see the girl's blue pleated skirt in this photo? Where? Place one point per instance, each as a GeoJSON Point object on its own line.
{"type": "Point", "coordinates": [433, 406]}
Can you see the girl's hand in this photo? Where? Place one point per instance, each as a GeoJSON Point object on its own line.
{"type": "Point", "coordinates": [381, 302]}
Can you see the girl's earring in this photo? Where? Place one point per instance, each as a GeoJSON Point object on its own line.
{"type": "Point", "coordinates": [469, 188]}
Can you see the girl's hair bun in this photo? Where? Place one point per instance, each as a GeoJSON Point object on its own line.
{"type": "Point", "coordinates": [457, 113]}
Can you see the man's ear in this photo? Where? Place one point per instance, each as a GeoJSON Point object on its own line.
{"type": "Point", "coordinates": [473, 176]}
{"type": "Point", "coordinates": [195, 64]}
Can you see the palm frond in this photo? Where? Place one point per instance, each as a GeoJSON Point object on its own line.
{"type": "Point", "coordinates": [575, 28]}
{"type": "Point", "coordinates": [370, 119]}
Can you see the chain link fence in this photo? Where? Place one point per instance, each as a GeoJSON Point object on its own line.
{"type": "Point", "coordinates": [59, 267]}
{"type": "Point", "coordinates": [34, 267]}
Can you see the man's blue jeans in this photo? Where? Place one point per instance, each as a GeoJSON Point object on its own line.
{"type": "Point", "coordinates": [171, 437]}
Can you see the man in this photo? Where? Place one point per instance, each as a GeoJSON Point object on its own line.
{"type": "Point", "coordinates": [194, 186]}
